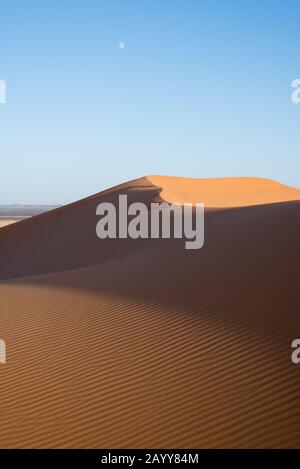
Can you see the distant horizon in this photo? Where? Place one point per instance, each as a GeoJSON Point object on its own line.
{"type": "Point", "coordinates": [57, 205]}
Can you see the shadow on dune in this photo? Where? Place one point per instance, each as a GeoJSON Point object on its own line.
{"type": "Point", "coordinates": [144, 343]}
{"type": "Point", "coordinates": [248, 270]}
{"type": "Point", "coordinates": [65, 238]}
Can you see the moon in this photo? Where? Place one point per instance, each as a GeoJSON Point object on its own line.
{"type": "Point", "coordinates": [121, 45]}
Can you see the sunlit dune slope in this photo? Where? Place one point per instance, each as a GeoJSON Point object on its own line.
{"type": "Point", "coordinates": [224, 192]}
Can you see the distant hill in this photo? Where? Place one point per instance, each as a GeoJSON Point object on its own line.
{"type": "Point", "coordinates": [20, 210]}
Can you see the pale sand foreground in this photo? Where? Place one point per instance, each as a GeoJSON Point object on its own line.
{"type": "Point", "coordinates": [5, 222]}
{"type": "Point", "coordinates": [122, 343]}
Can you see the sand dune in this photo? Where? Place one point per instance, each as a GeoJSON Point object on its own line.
{"type": "Point", "coordinates": [121, 343]}
{"type": "Point", "coordinates": [65, 238]}
{"type": "Point", "coordinates": [224, 192]}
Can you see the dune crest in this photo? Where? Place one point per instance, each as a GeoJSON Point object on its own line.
{"type": "Point", "coordinates": [224, 192]}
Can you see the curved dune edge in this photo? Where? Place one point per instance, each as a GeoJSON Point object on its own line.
{"type": "Point", "coordinates": [223, 192]}
{"type": "Point", "coordinates": [65, 238]}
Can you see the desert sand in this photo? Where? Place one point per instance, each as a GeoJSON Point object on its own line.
{"type": "Point", "coordinates": [6, 221]}
{"type": "Point", "coordinates": [224, 192]}
{"type": "Point", "coordinates": [141, 343]}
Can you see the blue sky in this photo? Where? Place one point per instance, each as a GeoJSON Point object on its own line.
{"type": "Point", "coordinates": [201, 89]}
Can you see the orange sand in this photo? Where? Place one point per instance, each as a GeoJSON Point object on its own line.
{"type": "Point", "coordinates": [121, 343]}
{"type": "Point", "coordinates": [224, 192]}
